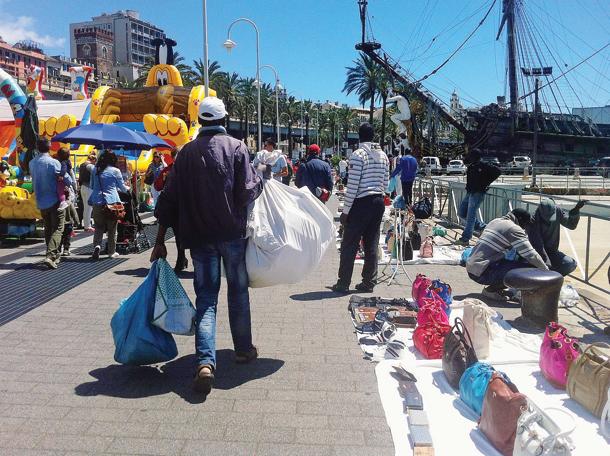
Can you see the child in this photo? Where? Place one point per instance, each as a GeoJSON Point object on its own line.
{"type": "Point", "coordinates": [66, 182]}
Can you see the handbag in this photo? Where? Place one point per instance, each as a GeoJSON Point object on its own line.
{"type": "Point", "coordinates": [537, 433]}
{"type": "Point", "coordinates": [444, 290]}
{"type": "Point", "coordinates": [423, 208]}
{"type": "Point", "coordinates": [473, 385]}
{"type": "Point", "coordinates": [557, 353]}
{"type": "Point", "coordinates": [477, 320]}
{"type": "Point", "coordinates": [605, 428]}
{"type": "Point", "coordinates": [502, 407]}
{"type": "Point", "coordinates": [427, 248]}
{"type": "Point", "coordinates": [115, 211]}
{"type": "Point", "coordinates": [458, 354]}
{"type": "Point", "coordinates": [431, 308]}
{"type": "Point", "coordinates": [589, 378]}
{"type": "Point", "coordinates": [420, 286]}
{"type": "Point", "coordinates": [430, 337]}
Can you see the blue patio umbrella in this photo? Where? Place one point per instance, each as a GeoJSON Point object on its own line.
{"type": "Point", "coordinates": [108, 136]}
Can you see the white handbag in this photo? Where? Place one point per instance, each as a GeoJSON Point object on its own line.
{"type": "Point", "coordinates": [477, 320]}
{"type": "Point", "coordinates": [538, 435]}
{"type": "Point", "coordinates": [605, 422]}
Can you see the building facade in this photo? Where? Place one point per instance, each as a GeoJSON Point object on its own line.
{"type": "Point", "coordinates": [131, 40]}
{"type": "Point", "coordinates": [96, 46]}
{"type": "Point", "coordinates": [598, 115]}
{"type": "Point", "coordinates": [14, 59]}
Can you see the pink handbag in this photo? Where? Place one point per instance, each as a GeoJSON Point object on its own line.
{"type": "Point", "coordinates": [431, 309]}
{"type": "Point", "coordinates": [420, 287]}
{"type": "Point", "coordinates": [557, 353]}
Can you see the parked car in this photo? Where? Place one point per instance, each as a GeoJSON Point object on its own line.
{"type": "Point", "coordinates": [433, 164]}
{"type": "Point", "coordinates": [456, 167]}
{"type": "Point", "coordinates": [604, 167]}
{"type": "Point", "coordinates": [492, 161]}
{"type": "Point", "coordinates": [519, 163]}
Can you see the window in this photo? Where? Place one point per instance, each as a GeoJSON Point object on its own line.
{"type": "Point", "coordinates": [104, 52]}
{"type": "Point", "coordinates": [86, 50]}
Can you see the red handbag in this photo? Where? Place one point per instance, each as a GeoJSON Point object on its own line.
{"type": "Point", "coordinates": [430, 338]}
{"type": "Point", "coordinates": [432, 308]}
{"type": "Point", "coordinates": [420, 287]}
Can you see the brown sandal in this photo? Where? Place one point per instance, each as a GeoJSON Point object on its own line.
{"type": "Point", "coordinates": [204, 379]}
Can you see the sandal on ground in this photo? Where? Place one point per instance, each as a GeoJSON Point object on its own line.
{"type": "Point", "coordinates": [246, 357]}
{"type": "Point", "coordinates": [204, 379]}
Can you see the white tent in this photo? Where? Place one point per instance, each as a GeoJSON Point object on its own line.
{"type": "Point", "coordinates": [49, 108]}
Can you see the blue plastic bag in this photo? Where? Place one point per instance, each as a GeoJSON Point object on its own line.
{"type": "Point", "coordinates": [136, 340]}
{"type": "Point", "coordinates": [173, 310]}
{"type": "Point", "coordinates": [391, 185]}
{"type": "Point", "coordinates": [465, 255]}
{"type": "Point", "coordinates": [473, 385]}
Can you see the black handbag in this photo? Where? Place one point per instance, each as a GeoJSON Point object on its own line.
{"type": "Point", "coordinates": [458, 353]}
{"type": "Point", "coordinates": [423, 208]}
{"type": "Point", "coordinates": [415, 238]}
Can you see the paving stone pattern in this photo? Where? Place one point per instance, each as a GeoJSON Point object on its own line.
{"type": "Point", "coordinates": [310, 393]}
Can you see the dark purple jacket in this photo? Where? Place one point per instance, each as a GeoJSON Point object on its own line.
{"type": "Point", "coordinates": [208, 190]}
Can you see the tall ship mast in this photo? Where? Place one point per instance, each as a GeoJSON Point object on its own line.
{"type": "Point", "coordinates": [502, 129]}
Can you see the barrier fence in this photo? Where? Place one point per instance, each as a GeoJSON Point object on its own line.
{"type": "Point", "coordinates": [589, 244]}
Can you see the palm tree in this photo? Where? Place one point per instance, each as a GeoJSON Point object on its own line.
{"type": "Point", "coordinates": [348, 120]}
{"type": "Point", "coordinates": [215, 76]}
{"type": "Point", "coordinates": [290, 110]}
{"type": "Point", "coordinates": [383, 91]}
{"type": "Point", "coordinates": [228, 89]}
{"type": "Point", "coordinates": [363, 79]}
{"type": "Point", "coordinates": [247, 96]}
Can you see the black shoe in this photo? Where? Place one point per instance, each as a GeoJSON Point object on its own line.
{"type": "Point", "coordinates": [204, 379]}
{"type": "Point", "coordinates": [365, 287]}
{"type": "Point", "coordinates": [340, 288]}
{"type": "Point", "coordinates": [181, 265]}
{"type": "Point", "coordinates": [246, 357]}
{"type": "Point", "coordinates": [96, 253]}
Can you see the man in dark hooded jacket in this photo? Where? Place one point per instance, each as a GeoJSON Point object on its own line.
{"type": "Point", "coordinates": [544, 234]}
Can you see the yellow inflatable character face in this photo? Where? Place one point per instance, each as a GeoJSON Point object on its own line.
{"type": "Point", "coordinates": [162, 75]}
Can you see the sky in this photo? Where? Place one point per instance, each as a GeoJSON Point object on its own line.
{"type": "Point", "coordinates": [310, 42]}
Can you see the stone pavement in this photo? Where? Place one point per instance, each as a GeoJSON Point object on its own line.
{"type": "Point", "coordinates": [310, 393]}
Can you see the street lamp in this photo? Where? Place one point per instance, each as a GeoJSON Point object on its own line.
{"type": "Point", "coordinates": [278, 87]}
{"type": "Point", "coordinates": [536, 73]}
{"type": "Point", "coordinates": [206, 71]}
{"type": "Point", "coordinates": [229, 44]}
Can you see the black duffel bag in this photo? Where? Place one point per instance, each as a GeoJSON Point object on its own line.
{"type": "Point", "coordinates": [422, 209]}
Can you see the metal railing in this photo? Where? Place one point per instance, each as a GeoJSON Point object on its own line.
{"type": "Point", "coordinates": [500, 199]}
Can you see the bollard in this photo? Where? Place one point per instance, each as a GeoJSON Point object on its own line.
{"type": "Point", "coordinates": [526, 173]}
{"type": "Point", "coordinates": [576, 173]}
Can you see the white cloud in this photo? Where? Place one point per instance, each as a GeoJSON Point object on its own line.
{"type": "Point", "coordinates": [17, 28]}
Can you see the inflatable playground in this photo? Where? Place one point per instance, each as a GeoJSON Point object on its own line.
{"type": "Point", "coordinates": [163, 107]}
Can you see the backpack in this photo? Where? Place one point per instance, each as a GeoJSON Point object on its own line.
{"type": "Point", "coordinates": [427, 248]}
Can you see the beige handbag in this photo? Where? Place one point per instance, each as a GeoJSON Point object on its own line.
{"type": "Point", "coordinates": [477, 320]}
{"type": "Point", "coordinates": [589, 378]}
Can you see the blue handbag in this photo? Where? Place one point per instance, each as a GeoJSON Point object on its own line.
{"type": "Point", "coordinates": [473, 385]}
{"type": "Point", "coordinates": [443, 289]}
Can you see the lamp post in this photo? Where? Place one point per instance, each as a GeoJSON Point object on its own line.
{"type": "Point", "coordinates": [536, 73]}
{"type": "Point", "coordinates": [278, 87]}
{"type": "Point", "coordinates": [206, 71]}
{"type": "Point", "coordinates": [230, 44]}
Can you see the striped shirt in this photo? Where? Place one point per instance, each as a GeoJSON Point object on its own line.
{"type": "Point", "coordinates": [368, 174]}
{"type": "Point", "coordinates": [501, 235]}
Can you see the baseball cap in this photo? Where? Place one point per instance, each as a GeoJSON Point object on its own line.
{"type": "Point", "coordinates": [523, 217]}
{"type": "Point", "coordinates": [314, 149]}
{"type": "Point", "coordinates": [212, 108]}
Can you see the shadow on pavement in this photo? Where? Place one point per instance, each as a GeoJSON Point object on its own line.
{"type": "Point", "coordinates": [138, 272]}
{"type": "Point", "coordinates": [131, 382]}
{"type": "Point", "coordinates": [315, 295]}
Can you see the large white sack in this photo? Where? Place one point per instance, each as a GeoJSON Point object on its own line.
{"type": "Point", "coordinates": [289, 231]}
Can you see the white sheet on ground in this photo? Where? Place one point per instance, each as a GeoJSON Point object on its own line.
{"type": "Point", "coordinates": [453, 425]}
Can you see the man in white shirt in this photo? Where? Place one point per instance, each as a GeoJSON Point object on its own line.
{"type": "Point", "coordinates": [270, 162]}
{"type": "Point", "coordinates": [363, 210]}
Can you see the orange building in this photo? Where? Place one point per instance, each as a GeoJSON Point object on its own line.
{"type": "Point", "coordinates": [15, 59]}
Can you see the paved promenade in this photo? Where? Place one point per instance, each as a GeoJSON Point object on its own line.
{"type": "Point", "coordinates": [310, 393]}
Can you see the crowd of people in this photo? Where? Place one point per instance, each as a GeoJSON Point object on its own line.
{"type": "Point", "coordinates": [213, 227]}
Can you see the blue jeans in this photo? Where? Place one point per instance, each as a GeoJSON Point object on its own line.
{"type": "Point", "coordinates": [562, 263]}
{"type": "Point", "coordinates": [495, 272]}
{"type": "Point", "coordinates": [469, 210]}
{"type": "Point", "coordinates": [206, 261]}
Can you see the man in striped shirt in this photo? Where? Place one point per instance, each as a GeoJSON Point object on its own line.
{"type": "Point", "coordinates": [362, 211]}
{"type": "Point", "coordinates": [487, 264]}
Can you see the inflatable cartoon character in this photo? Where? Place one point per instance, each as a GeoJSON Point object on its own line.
{"type": "Point", "coordinates": [34, 75]}
{"type": "Point", "coordinates": [165, 107]}
{"type": "Point", "coordinates": [10, 90]}
{"type": "Point", "coordinates": [80, 81]}
{"type": "Point", "coordinates": [402, 119]}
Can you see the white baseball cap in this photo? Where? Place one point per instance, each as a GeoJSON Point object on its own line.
{"type": "Point", "coordinates": [212, 108]}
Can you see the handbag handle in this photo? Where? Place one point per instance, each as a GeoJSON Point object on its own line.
{"type": "Point", "coordinates": [554, 438]}
{"type": "Point", "coordinates": [599, 345]}
{"type": "Point", "coordinates": [462, 331]}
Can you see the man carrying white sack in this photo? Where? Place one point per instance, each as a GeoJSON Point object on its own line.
{"type": "Point", "coordinates": [211, 185]}
{"type": "Point", "coordinates": [270, 162]}
{"type": "Point", "coordinates": [363, 210]}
